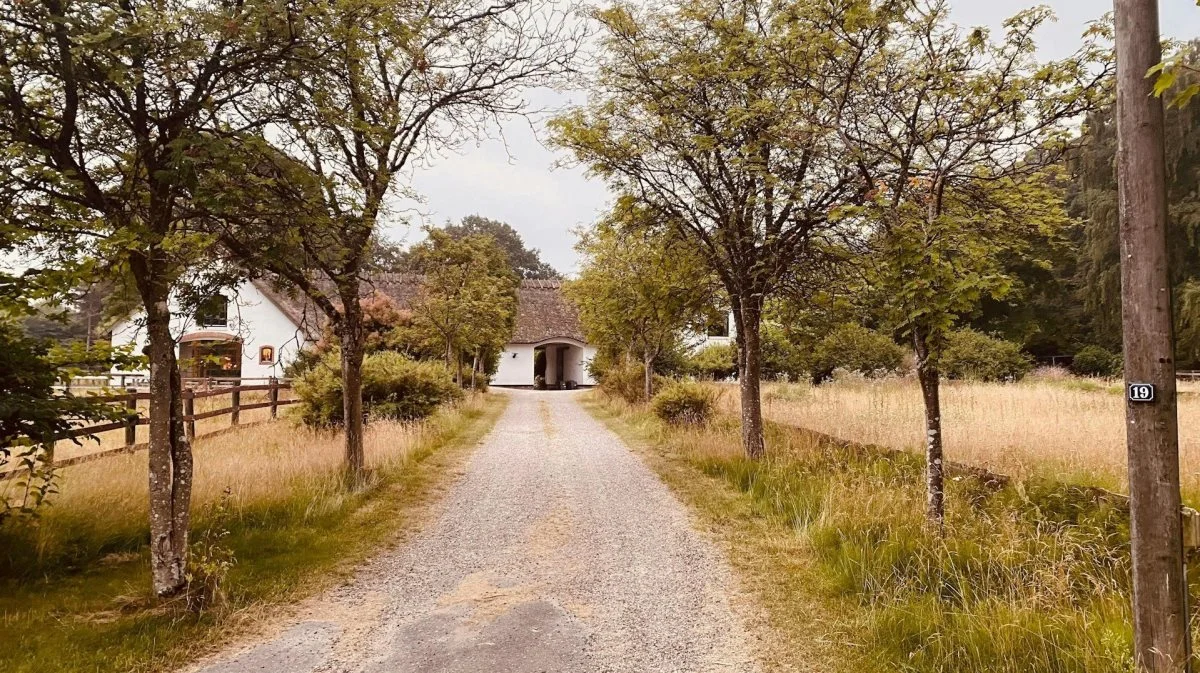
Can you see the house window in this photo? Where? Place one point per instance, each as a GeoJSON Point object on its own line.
{"type": "Point", "coordinates": [266, 355]}
{"type": "Point", "coordinates": [213, 312]}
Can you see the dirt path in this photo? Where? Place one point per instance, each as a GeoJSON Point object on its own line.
{"type": "Point", "coordinates": [556, 551]}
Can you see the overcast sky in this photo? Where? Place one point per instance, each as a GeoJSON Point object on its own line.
{"type": "Point", "coordinates": [515, 181]}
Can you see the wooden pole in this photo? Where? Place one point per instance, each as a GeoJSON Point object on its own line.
{"type": "Point", "coordinates": [1160, 618]}
{"type": "Point", "coordinates": [236, 399]}
{"type": "Point", "coordinates": [189, 414]}
{"type": "Point", "coordinates": [274, 397]}
{"type": "Point", "coordinates": [131, 417]}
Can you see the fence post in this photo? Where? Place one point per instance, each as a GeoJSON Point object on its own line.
{"type": "Point", "coordinates": [234, 416]}
{"type": "Point", "coordinates": [274, 397]}
{"type": "Point", "coordinates": [189, 414]}
{"type": "Point", "coordinates": [131, 417]}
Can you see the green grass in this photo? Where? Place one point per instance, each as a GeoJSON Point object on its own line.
{"type": "Point", "coordinates": [93, 614]}
{"type": "Point", "coordinates": [1031, 577]}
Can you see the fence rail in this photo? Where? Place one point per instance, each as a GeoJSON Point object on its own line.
{"type": "Point", "coordinates": [133, 419]}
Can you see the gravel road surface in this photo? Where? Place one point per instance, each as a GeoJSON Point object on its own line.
{"type": "Point", "coordinates": [557, 550]}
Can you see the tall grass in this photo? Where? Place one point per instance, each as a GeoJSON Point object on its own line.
{"type": "Point", "coordinates": [74, 582]}
{"type": "Point", "coordinates": [1068, 429]}
{"type": "Point", "coordinates": [1034, 576]}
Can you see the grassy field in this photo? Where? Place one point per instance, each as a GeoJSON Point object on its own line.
{"type": "Point", "coordinates": [74, 583]}
{"type": "Point", "coordinates": [830, 537]}
{"type": "Point", "coordinates": [1061, 428]}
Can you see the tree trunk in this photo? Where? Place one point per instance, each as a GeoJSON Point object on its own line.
{"type": "Point", "coordinates": [1162, 641]}
{"type": "Point", "coordinates": [648, 376]}
{"type": "Point", "coordinates": [351, 334]}
{"type": "Point", "coordinates": [170, 453]}
{"type": "Point", "coordinates": [460, 369]}
{"type": "Point", "coordinates": [935, 481]}
{"type": "Point", "coordinates": [750, 377]}
{"type": "Point", "coordinates": [474, 368]}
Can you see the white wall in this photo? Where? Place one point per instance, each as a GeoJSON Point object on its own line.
{"type": "Point", "coordinates": [252, 317]}
{"type": "Point", "coordinates": [516, 366]}
{"type": "Point", "coordinates": [575, 363]}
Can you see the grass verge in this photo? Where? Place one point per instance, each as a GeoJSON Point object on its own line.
{"type": "Point", "coordinates": [830, 538]}
{"type": "Point", "coordinates": [74, 584]}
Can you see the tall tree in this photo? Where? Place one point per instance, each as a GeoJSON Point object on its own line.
{"type": "Point", "coordinates": [97, 101]}
{"type": "Point", "coordinates": [468, 298]}
{"type": "Point", "coordinates": [1093, 198]}
{"type": "Point", "coordinates": [525, 262]}
{"type": "Point", "coordinates": [640, 285]}
{"type": "Point", "coordinates": [723, 116]}
{"type": "Point", "coordinates": [383, 87]}
{"type": "Point", "coordinates": [959, 140]}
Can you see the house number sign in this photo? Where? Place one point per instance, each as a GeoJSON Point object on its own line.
{"type": "Point", "coordinates": [1141, 392]}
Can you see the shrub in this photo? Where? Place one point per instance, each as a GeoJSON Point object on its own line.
{"type": "Point", "coordinates": [394, 387]}
{"type": "Point", "coordinates": [673, 362]}
{"type": "Point", "coordinates": [715, 362]}
{"type": "Point", "coordinates": [976, 356]}
{"type": "Point", "coordinates": [782, 359]}
{"type": "Point", "coordinates": [1096, 361]}
{"type": "Point", "coordinates": [684, 403]}
{"type": "Point", "coordinates": [628, 382]}
{"type": "Point", "coordinates": [855, 348]}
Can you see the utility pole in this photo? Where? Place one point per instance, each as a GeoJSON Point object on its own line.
{"type": "Point", "coordinates": [1160, 621]}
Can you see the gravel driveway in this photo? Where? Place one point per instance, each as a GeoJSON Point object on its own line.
{"type": "Point", "coordinates": [557, 550]}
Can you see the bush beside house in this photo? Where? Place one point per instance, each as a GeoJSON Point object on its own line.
{"type": "Point", "coordinates": [395, 387]}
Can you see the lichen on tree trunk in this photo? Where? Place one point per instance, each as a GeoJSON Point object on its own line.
{"type": "Point", "coordinates": [170, 462]}
{"type": "Point", "coordinates": [930, 379]}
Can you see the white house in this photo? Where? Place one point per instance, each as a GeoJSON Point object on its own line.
{"type": "Point", "coordinates": [239, 333]}
{"type": "Point", "coordinates": [257, 330]}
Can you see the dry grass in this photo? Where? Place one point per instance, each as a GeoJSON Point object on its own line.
{"type": "Point", "coordinates": [831, 540]}
{"type": "Point", "coordinates": [258, 464]}
{"type": "Point", "coordinates": [74, 582]}
{"type": "Point", "coordinates": [1067, 429]}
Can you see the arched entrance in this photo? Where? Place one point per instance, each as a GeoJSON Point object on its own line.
{"type": "Point", "coordinates": [210, 354]}
{"type": "Point", "coordinates": [560, 363]}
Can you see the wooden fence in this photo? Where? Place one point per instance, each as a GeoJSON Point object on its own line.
{"type": "Point", "coordinates": [133, 419]}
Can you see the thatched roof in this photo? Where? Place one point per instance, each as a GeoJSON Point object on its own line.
{"type": "Point", "coordinates": [543, 313]}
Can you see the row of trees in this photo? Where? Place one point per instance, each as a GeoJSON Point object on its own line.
{"type": "Point", "coordinates": [173, 147]}
{"type": "Point", "coordinates": [781, 142]}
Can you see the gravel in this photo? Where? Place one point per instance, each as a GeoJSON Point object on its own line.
{"type": "Point", "coordinates": [557, 550]}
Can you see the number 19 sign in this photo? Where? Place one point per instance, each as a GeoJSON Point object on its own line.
{"type": "Point", "coordinates": [1141, 392]}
